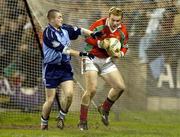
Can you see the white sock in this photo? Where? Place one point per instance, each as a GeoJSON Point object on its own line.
{"type": "Point", "coordinates": [43, 121]}
{"type": "Point", "coordinates": [62, 114]}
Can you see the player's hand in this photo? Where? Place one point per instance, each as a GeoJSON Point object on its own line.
{"type": "Point", "coordinates": [85, 54]}
{"type": "Point", "coordinates": [104, 44]}
{"type": "Point", "coordinates": [115, 53]}
{"type": "Point", "coordinates": [96, 34]}
{"type": "Point", "coordinates": [118, 54]}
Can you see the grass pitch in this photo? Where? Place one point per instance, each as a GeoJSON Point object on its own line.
{"type": "Point", "coordinates": [131, 124]}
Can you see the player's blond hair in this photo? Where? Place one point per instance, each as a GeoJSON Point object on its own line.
{"type": "Point", "coordinates": [51, 13]}
{"type": "Point", "coordinates": [115, 11]}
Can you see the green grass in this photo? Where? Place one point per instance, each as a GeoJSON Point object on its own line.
{"type": "Point", "coordinates": [131, 124]}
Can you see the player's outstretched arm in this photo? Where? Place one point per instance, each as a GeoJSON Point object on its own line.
{"type": "Point", "coordinates": [94, 35]}
{"type": "Point", "coordinates": [73, 52]}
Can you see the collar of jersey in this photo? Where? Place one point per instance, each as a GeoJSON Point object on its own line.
{"type": "Point", "coordinates": [54, 29]}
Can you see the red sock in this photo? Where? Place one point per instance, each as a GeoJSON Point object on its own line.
{"type": "Point", "coordinates": [107, 104]}
{"type": "Point", "coordinates": [84, 112]}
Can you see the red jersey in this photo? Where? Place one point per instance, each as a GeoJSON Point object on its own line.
{"type": "Point", "coordinates": [102, 25]}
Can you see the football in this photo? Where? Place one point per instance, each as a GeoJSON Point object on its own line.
{"type": "Point", "coordinates": [114, 46]}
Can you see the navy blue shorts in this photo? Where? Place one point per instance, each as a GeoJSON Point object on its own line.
{"type": "Point", "coordinates": [55, 74]}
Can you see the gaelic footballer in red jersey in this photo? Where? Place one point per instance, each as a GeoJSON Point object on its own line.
{"type": "Point", "coordinates": [111, 27]}
{"type": "Point", "coordinates": [102, 64]}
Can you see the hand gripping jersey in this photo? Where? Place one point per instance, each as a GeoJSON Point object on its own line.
{"type": "Point", "coordinates": [102, 25]}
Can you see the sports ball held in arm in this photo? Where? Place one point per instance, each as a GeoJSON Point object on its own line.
{"type": "Point", "coordinates": [114, 47]}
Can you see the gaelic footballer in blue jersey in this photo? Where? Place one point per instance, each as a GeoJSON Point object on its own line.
{"type": "Point", "coordinates": [57, 70]}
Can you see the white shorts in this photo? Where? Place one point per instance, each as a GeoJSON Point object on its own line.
{"type": "Point", "coordinates": [101, 65]}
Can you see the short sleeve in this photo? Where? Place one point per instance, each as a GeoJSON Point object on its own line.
{"type": "Point", "coordinates": [73, 32]}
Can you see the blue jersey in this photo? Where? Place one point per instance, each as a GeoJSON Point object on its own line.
{"type": "Point", "coordinates": [56, 65]}
{"type": "Point", "coordinates": [54, 41]}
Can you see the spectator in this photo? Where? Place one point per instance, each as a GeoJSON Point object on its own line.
{"type": "Point", "coordinates": [151, 31]}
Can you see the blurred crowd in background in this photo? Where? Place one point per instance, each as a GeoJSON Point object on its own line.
{"type": "Point", "coordinates": [19, 54]}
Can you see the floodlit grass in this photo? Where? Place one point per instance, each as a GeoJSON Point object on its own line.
{"type": "Point", "coordinates": [131, 124]}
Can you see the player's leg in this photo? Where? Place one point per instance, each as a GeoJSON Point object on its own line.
{"type": "Point", "coordinates": [66, 101]}
{"type": "Point", "coordinates": [115, 80]}
{"type": "Point", "coordinates": [91, 84]}
{"type": "Point", "coordinates": [46, 109]}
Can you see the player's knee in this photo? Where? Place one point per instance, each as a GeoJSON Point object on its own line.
{"type": "Point", "coordinates": [93, 94]}
{"type": "Point", "coordinates": [89, 94]}
{"type": "Point", "coordinates": [120, 87]}
{"type": "Point", "coordinates": [86, 99]}
{"type": "Point", "coordinates": [69, 95]}
{"type": "Point", "coordinates": [50, 101]}
{"type": "Point", "coordinates": [92, 89]}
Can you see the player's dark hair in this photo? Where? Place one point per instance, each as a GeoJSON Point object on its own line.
{"type": "Point", "coordinates": [51, 13]}
{"type": "Point", "coordinates": [116, 11]}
